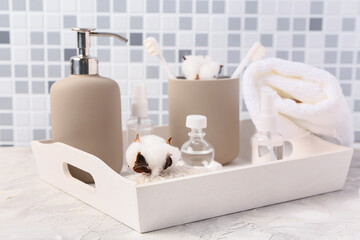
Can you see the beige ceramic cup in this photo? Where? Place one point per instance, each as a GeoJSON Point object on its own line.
{"type": "Point", "coordinates": [218, 100]}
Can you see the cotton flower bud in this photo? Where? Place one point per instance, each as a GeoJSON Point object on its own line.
{"type": "Point", "coordinates": [200, 67]}
{"type": "Point", "coordinates": [190, 67]}
{"type": "Point", "coordinates": [151, 155]}
{"type": "Point", "coordinates": [190, 72]}
{"type": "Point", "coordinates": [210, 70]}
{"type": "Point", "coordinates": [203, 59]}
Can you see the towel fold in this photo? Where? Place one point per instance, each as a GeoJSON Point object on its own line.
{"type": "Point", "coordinates": [309, 99]}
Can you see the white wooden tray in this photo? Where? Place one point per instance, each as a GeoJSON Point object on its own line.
{"type": "Point", "coordinates": [315, 167]}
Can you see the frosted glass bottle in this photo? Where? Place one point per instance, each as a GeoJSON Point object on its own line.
{"type": "Point", "coordinates": [137, 125]}
{"type": "Point", "coordinates": [139, 122]}
{"type": "Point", "coordinates": [267, 146]}
{"type": "Point", "coordinates": [267, 143]}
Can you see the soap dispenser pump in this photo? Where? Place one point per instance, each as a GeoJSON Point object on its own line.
{"type": "Point", "coordinates": [86, 108]}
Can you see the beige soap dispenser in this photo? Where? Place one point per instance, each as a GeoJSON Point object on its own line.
{"type": "Point", "coordinates": [86, 108]}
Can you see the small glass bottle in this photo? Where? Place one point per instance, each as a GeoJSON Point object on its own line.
{"type": "Point", "coordinates": [267, 143]}
{"type": "Point", "coordinates": [139, 122]}
{"type": "Point", "coordinates": [197, 152]}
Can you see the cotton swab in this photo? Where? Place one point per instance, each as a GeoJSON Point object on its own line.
{"type": "Point", "coordinates": [153, 47]}
{"type": "Point", "coordinates": [256, 52]}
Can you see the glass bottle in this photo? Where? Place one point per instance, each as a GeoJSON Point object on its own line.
{"type": "Point", "coordinates": [139, 122]}
{"type": "Point", "coordinates": [267, 143]}
{"type": "Point", "coordinates": [196, 151]}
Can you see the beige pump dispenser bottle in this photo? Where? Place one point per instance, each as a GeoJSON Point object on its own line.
{"type": "Point", "coordinates": [86, 109]}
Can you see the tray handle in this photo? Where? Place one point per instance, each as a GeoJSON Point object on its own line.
{"type": "Point", "coordinates": [57, 172]}
{"type": "Point", "coordinates": [89, 163]}
{"type": "Point", "coordinates": [86, 186]}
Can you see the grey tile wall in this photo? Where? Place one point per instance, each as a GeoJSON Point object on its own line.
{"type": "Point", "coordinates": [36, 44]}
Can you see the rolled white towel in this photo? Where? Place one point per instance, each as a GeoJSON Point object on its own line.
{"type": "Point", "coordinates": [309, 99]}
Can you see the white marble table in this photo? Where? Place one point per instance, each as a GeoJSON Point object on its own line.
{"type": "Point", "coordinates": [32, 209]}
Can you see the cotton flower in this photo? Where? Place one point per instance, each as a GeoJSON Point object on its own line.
{"type": "Point", "coordinates": [151, 155]}
{"type": "Point", "coordinates": [210, 70]}
{"type": "Point", "coordinates": [191, 65]}
{"type": "Point", "coordinates": [200, 67]}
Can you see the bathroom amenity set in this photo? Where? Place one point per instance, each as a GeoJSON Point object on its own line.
{"type": "Point", "coordinates": [205, 163]}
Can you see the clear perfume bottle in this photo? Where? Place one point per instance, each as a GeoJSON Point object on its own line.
{"type": "Point", "coordinates": [267, 143]}
{"type": "Point", "coordinates": [197, 152]}
{"type": "Point", "coordinates": [139, 122]}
